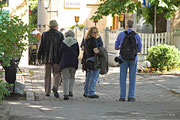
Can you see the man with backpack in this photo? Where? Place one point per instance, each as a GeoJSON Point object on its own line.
{"type": "Point", "coordinates": [129, 44]}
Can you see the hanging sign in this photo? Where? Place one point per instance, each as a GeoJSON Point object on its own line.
{"type": "Point", "coordinates": [146, 3]}
{"type": "Point", "coordinates": [72, 4]}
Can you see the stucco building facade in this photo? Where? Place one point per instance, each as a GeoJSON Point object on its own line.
{"type": "Point", "coordinates": [64, 12]}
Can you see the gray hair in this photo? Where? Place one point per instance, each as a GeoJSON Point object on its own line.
{"type": "Point", "coordinates": [130, 24]}
{"type": "Point", "coordinates": [53, 23]}
{"type": "Point", "coordinates": [69, 33]}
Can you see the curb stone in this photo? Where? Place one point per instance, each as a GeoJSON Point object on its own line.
{"type": "Point", "coordinates": [28, 88]}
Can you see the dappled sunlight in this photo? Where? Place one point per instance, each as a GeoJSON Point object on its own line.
{"type": "Point", "coordinates": [44, 107]}
{"type": "Point", "coordinates": [113, 70]}
{"type": "Point", "coordinates": [105, 83]}
{"type": "Point", "coordinates": [161, 80]}
{"type": "Point", "coordinates": [115, 83]}
{"type": "Point", "coordinates": [36, 110]}
{"type": "Point", "coordinates": [47, 109]}
{"type": "Point", "coordinates": [35, 106]}
{"type": "Point", "coordinates": [60, 117]}
{"type": "Point", "coordinates": [139, 83]}
{"type": "Point", "coordinates": [14, 103]}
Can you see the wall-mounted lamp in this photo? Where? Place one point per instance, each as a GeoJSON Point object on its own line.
{"type": "Point", "coordinates": [121, 19]}
{"type": "Point", "coordinates": [76, 19]}
{"type": "Point", "coordinates": [46, 4]}
{"type": "Point", "coordinates": [95, 21]}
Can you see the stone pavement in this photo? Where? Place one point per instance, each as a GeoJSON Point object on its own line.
{"type": "Point", "coordinates": [157, 97]}
{"type": "Point", "coordinates": [108, 87]}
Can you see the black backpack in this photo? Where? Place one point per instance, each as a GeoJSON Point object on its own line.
{"type": "Point", "coordinates": [128, 50]}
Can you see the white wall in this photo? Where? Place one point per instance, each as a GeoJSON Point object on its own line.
{"type": "Point", "coordinates": [66, 16]}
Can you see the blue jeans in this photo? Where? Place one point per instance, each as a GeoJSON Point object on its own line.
{"type": "Point", "coordinates": [91, 78]}
{"type": "Point", "coordinates": [132, 65]}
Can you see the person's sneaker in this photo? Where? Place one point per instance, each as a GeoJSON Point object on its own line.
{"type": "Point", "coordinates": [66, 97]}
{"type": "Point", "coordinates": [94, 96]}
{"type": "Point", "coordinates": [55, 93]}
{"type": "Point", "coordinates": [122, 99]}
{"type": "Point", "coordinates": [131, 99]}
{"type": "Point", "coordinates": [85, 95]}
{"type": "Point", "coordinates": [47, 95]}
{"type": "Point", "coordinates": [70, 94]}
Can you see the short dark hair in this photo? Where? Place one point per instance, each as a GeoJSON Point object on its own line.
{"type": "Point", "coordinates": [130, 24]}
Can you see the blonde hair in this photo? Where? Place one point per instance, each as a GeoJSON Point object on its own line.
{"type": "Point", "coordinates": [89, 32]}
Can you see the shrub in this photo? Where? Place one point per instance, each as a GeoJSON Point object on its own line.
{"type": "Point", "coordinates": [163, 57]}
{"type": "Point", "coordinates": [13, 34]}
{"type": "Point", "coordinates": [3, 89]}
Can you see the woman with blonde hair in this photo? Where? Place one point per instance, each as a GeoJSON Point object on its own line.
{"type": "Point", "coordinates": [92, 74]}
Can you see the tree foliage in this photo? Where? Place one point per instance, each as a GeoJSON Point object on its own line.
{"type": "Point", "coordinates": [33, 4]}
{"type": "Point", "coordinates": [15, 36]}
{"type": "Point", "coordinates": [165, 7]}
{"type": "Point", "coordinates": [116, 7]}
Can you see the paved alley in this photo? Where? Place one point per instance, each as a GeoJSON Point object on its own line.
{"type": "Point", "coordinates": [153, 101]}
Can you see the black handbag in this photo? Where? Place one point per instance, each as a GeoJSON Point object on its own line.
{"type": "Point", "coordinates": [89, 65]}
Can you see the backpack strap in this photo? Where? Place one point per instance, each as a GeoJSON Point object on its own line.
{"type": "Point", "coordinates": [132, 32]}
{"type": "Point", "coordinates": [126, 32]}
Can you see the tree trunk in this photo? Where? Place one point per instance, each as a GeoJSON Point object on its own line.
{"type": "Point", "coordinates": [161, 24]}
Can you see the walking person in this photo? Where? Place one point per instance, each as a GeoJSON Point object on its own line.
{"type": "Point", "coordinates": [69, 52]}
{"type": "Point", "coordinates": [129, 44]}
{"type": "Point", "coordinates": [92, 74]}
{"type": "Point", "coordinates": [49, 54]}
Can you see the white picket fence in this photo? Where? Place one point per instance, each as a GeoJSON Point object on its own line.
{"type": "Point", "coordinates": [148, 40]}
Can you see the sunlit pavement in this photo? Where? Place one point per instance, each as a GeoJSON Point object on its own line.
{"type": "Point", "coordinates": [153, 100]}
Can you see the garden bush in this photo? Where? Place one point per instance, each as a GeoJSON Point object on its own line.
{"type": "Point", "coordinates": [15, 36]}
{"type": "Point", "coordinates": [3, 89]}
{"type": "Point", "coordinates": [163, 57]}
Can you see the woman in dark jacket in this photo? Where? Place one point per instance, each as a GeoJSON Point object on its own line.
{"type": "Point", "coordinates": [90, 49]}
{"type": "Point", "coordinates": [69, 52]}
